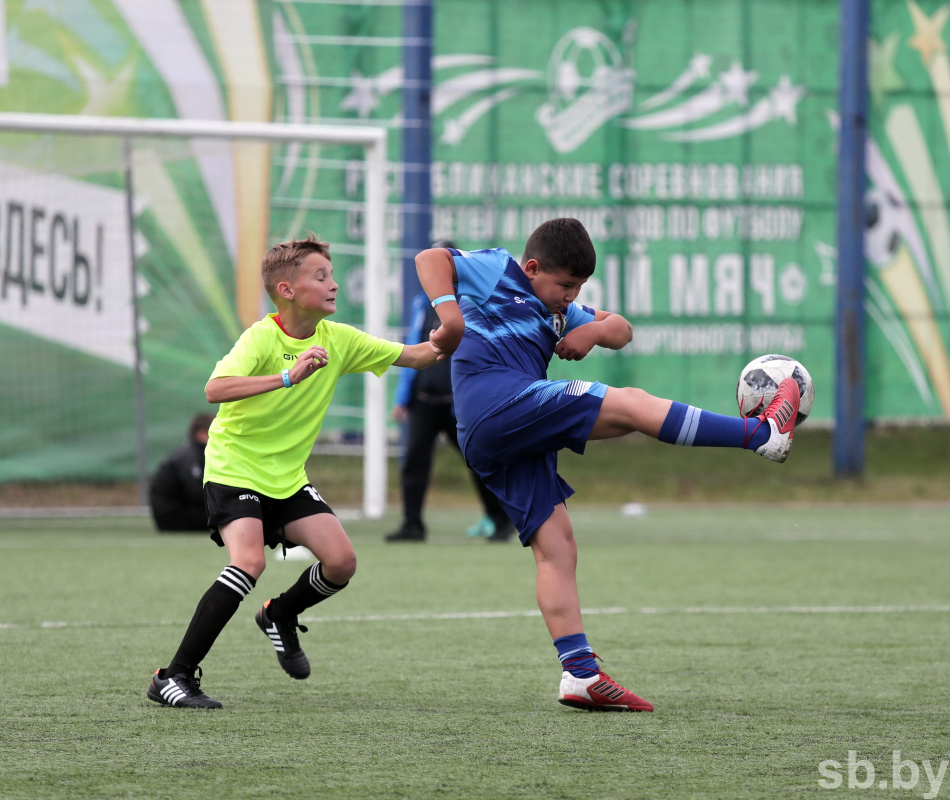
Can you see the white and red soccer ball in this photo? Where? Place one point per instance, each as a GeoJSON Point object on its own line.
{"type": "Point", "coordinates": [759, 380]}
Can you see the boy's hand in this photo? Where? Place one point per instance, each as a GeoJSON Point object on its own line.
{"type": "Point", "coordinates": [447, 337]}
{"type": "Point", "coordinates": [312, 359]}
{"type": "Point", "coordinates": [607, 330]}
{"type": "Point", "coordinates": [578, 343]}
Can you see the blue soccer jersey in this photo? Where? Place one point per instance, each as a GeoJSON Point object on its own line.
{"type": "Point", "coordinates": [512, 421]}
{"type": "Point", "coordinates": [509, 338]}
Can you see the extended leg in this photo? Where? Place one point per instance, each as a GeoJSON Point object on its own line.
{"type": "Point", "coordinates": [770, 434]}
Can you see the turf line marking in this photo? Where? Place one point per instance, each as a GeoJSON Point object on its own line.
{"type": "Point", "coordinates": [713, 610]}
{"type": "Point", "coordinates": [462, 615]}
{"type": "Point", "coordinates": [934, 609]}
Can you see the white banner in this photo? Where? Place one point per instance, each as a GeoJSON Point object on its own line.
{"type": "Point", "coordinates": [64, 263]}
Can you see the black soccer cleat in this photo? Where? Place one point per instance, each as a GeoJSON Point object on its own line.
{"type": "Point", "coordinates": [180, 690]}
{"type": "Point", "coordinates": [407, 533]}
{"type": "Point", "coordinates": [283, 636]}
{"type": "Point", "coordinates": [503, 532]}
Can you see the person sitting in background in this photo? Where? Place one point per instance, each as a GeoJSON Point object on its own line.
{"type": "Point", "coordinates": [176, 495]}
{"type": "Point", "coordinates": [425, 405]}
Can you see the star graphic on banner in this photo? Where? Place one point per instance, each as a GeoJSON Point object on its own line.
{"type": "Point", "coordinates": [104, 93]}
{"type": "Point", "coordinates": [784, 98]}
{"type": "Point", "coordinates": [928, 31]}
{"type": "Point", "coordinates": [882, 76]}
{"type": "Point", "coordinates": [736, 82]}
{"type": "Point", "coordinates": [454, 131]}
{"type": "Point", "coordinates": [699, 65]}
{"type": "Point", "coordinates": [363, 98]}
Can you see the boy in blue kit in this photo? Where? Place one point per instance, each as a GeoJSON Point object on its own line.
{"type": "Point", "coordinates": [512, 421]}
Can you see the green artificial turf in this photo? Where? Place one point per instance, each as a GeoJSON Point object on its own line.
{"type": "Point", "coordinates": [770, 640]}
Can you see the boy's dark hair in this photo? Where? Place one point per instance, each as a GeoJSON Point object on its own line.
{"type": "Point", "coordinates": [562, 245]}
{"type": "Point", "coordinates": [281, 261]}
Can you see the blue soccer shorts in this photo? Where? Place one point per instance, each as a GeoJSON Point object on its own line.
{"type": "Point", "coordinates": [514, 450]}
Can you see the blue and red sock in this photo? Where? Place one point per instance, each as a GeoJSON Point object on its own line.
{"type": "Point", "coordinates": [576, 655]}
{"type": "Point", "coordinates": [689, 426]}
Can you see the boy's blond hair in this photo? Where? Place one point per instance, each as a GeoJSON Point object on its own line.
{"type": "Point", "coordinates": [281, 262]}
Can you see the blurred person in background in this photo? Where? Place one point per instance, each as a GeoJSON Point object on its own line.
{"type": "Point", "coordinates": [176, 495]}
{"type": "Point", "coordinates": [425, 406]}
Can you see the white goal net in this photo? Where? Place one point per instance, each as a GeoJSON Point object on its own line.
{"type": "Point", "coordinates": [130, 262]}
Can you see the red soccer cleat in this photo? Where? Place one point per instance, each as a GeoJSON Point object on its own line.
{"type": "Point", "coordinates": [781, 415]}
{"type": "Point", "coordinates": [599, 693]}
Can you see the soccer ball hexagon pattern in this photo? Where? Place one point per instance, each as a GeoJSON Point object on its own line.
{"type": "Point", "coordinates": [759, 380]}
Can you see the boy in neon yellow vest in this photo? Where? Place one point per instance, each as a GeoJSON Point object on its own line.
{"type": "Point", "coordinates": [275, 387]}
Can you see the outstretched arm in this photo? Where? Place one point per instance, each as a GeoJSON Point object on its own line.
{"type": "Point", "coordinates": [419, 356]}
{"type": "Point", "coordinates": [607, 330]}
{"type": "Point", "coordinates": [436, 270]}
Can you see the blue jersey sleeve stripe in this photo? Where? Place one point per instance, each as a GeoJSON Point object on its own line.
{"type": "Point", "coordinates": [479, 271]}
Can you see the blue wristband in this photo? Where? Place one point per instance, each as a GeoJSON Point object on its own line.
{"type": "Point", "coordinates": [285, 374]}
{"type": "Point", "coordinates": [444, 299]}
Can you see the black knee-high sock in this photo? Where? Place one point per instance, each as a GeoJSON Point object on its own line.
{"type": "Point", "coordinates": [212, 614]}
{"type": "Point", "coordinates": [311, 588]}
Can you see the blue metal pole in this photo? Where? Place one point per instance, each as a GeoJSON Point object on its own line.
{"type": "Point", "coordinates": [850, 323]}
{"type": "Point", "coordinates": [416, 144]}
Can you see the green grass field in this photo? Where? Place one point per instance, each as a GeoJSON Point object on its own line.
{"type": "Point", "coordinates": [770, 641]}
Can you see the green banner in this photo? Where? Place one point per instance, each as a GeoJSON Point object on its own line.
{"type": "Point", "coordinates": [696, 141]}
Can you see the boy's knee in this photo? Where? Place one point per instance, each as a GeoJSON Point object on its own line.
{"type": "Point", "coordinates": [636, 409]}
{"type": "Point", "coordinates": [635, 398]}
{"type": "Point", "coordinates": [340, 568]}
{"type": "Point", "coordinates": [351, 565]}
{"type": "Point", "coordinates": [252, 565]}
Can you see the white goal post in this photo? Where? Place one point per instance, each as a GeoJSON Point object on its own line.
{"type": "Point", "coordinates": [373, 140]}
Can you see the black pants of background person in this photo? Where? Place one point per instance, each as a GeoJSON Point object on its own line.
{"type": "Point", "coordinates": [425, 422]}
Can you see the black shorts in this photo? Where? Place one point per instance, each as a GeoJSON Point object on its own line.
{"type": "Point", "coordinates": [225, 504]}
